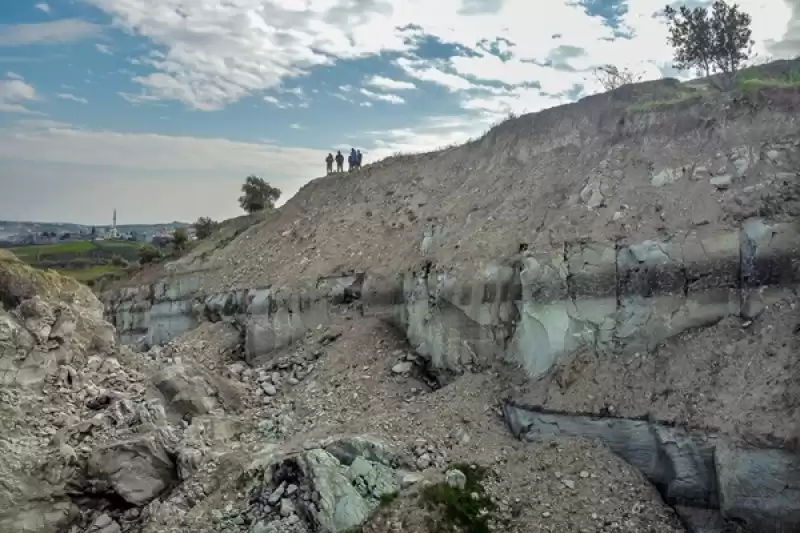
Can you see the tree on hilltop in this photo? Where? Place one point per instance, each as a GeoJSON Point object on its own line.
{"type": "Point", "coordinates": [713, 43]}
{"type": "Point", "coordinates": [203, 227]}
{"type": "Point", "coordinates": [258, 195]}
{"type": "Point", "coordinates": [611, 77]}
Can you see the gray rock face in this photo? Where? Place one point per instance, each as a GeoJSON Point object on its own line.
{"type": "Point", "coordinates": [679, 463]}
{"type": "Point", "coordinates": [549, 304]}
{"type": "Point", "coordinates": [757, 487]}
{"type": "Point", "coordinates": [138, 470]}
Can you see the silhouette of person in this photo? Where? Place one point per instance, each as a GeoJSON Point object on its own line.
{"type": "Point", "coordinates": [329, 163]}
{"type": "Point", "coordinates": [359, 156]}
{"type": "Point", "coordinates": [352, 160]}
{"type": "Point", "coordinates": [339, 161]}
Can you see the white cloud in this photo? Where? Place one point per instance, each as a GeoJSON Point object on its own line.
{"type": "Point", "coordinates": [68, 96]}
{"type": "Point", "coordinates": [59, 31]}
{"type": "Point", "coordinates": [135, 171]}
{"type": "Point", "coordinates": [382, 82]}
{"type": "Point", "coordinates": [432, 134]}
{"type": "Point", "coordinates": [215, 53]}
{"type": "Point", "coordinates": [43, 7]}
{"type": "Point", "coordinates": [296, 127]}
{"type": "Point", "coordinates": [104, 49]}
{"type": "Point", "coordinates": [391, 98]}
{"type": "Point", "coordinates": [365, 104]}
{"type": "Point", "coordinates": [13, 76]}
{"type": "Point", "coordinates": [424, 71]}
{"type": "Point", "coordinates": [274, 101]}
{"type": "Point", "coordinates": [14, 93]}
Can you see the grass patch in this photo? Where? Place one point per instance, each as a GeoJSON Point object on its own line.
{"type": "Point", "coordinates": [753, 81]}
{"type": "Point", "coordinates": [681, 97]}
{"type": "Point", "coordinates": [466, 510]}
{"type": "Point", "coordinates": [89, 273]}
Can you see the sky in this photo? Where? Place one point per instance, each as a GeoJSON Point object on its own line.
{"type": "Point", "coordinates": [161, 108]}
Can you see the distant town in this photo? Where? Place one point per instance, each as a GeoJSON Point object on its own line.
{"type": "Point", "coordinates": [14, 233]}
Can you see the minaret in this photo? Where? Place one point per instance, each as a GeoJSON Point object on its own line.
{"type": "Point", "coordinates": [114, 225]}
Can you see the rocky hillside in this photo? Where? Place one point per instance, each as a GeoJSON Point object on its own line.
{"type": "Point", "coordinates": [652, 160]}
{"type": "Point", "coordinates": [584, 321]}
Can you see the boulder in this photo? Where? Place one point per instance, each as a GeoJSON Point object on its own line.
{"type": "Point", "coordinates": [138, 470]}
{"type": "Point", "coordinates": [38, 517]}
{"type": "Point", "coordinates": [189, 391]}
{"type": "Point", "coordinates": [340, 508]}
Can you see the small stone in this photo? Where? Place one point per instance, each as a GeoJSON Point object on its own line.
{"type": "Point", "coordinates": [721, 182]}
{"type": "Point", "coordinates": [291, 489]}
{"type": "Point", "coordinates": [424, 461]}
{"type": "Point", "coordinates": [456, 478]}
{"type": "Point", "coordinates": [102, 521]}
{"type": "Point", "coordinates": [584, 474]}
{"type": "Point", "coordinates": [569, 483]}
{"type": "Point", "coordinates": [293, 519]}
{"type": "Point", "coordinates": [287, 508]}
{"type": "Point", "coordinates": [402, 368]}
{"type": "Point", "coordinates": [277, 494]}
{"type": "Point", "coordinates": [546, 514]}
{"type": "Point", "coordinates": [292, 381]}
{"type": "Point", "coordinates": [410, 478]}
{"type": "Point", "coordinates": [269, 389]}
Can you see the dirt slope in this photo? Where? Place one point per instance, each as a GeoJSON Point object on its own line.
{"type": "Point", "coordinates": [606, 167]}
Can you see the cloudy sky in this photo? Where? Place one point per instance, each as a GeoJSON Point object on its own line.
{"type": "Point", "coordinates": [161, 108]}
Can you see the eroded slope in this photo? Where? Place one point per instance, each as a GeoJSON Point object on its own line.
{"type": "Point", "coordinates": [597, 169]}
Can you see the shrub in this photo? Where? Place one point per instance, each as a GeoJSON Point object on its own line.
{"type": "Point", "coordinates": [180, 238]}
{"type": "Point", "coordinates": [611, 77]}
{"type": "Point", "coordinates": [149, 254]}
{"type": "Point", "coordinates": [119, 261]}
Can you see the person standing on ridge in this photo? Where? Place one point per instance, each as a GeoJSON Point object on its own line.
{"type": "Point", "coordinates": [329, 163]}
{"type": "Point", "coordinates": [351, 160]}
{"type": "Point", "coordinates": [339, 161]}
{"type": "Point", "coordinates": [358, 159]}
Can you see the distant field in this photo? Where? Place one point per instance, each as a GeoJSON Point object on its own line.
{"type": "Point", "coordinates": [70, 250]}
{"type": "Point", "coordinates": [24, 252]}
{"type": "Point", "coordinates": [83, 260]}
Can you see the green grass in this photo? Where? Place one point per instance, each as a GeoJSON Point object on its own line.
{"type": "Point", "coordinates": [89, 273]}
{"type": "Point", "coordinates": [74, 247]}
{"type": "Point", "coordinates": [682, 96]}
{"type": "Point", "coordinates": [462, 512]}
{"type": "Point", "coordinates": [753, 81]}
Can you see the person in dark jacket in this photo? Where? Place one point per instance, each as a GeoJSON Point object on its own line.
{"type": "Point", "coordinates": [352, 160]}
{"type": "Point", "coordinates": [329, 163]}
{"type": "Point", "coordinates": [339, 161]}
{"type": "Point", "coordinates": [358, 159]}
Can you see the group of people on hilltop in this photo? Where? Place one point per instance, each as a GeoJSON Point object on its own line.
{"type": "Point", "coordinates": [353, 161]}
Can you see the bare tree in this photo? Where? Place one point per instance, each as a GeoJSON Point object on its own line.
{"type": "Point", "coordinates": [611, 77]}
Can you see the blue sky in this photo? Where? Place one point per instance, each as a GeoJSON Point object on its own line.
{"type": "Point", "coordinates": [160, 108]}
